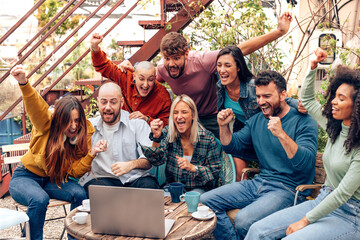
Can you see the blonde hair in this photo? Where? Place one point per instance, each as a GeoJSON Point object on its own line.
{"type": "Point", "coordinates": [196, 126]}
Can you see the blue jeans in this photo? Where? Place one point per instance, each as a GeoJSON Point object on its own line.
{"type": "Point", "coordinates": [141, 182]}
{"type": "Point", "coordinates": [257, 199]}
{"type": "Point", "coordinates": [341, 224]}
{"type": "Point", "coordinates": [35, 192]}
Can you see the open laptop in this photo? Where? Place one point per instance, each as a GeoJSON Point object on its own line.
{"type": "Point", "coordinates": [134, 212]}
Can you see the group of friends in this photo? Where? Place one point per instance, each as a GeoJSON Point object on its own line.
{"type": "Point", "coordinates": [217, 97]}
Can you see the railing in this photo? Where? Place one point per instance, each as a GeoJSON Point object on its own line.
{"type": "Point", "coordinates": [146, 52]}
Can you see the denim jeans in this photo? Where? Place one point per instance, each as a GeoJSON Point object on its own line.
{"type": "Point", "coordinates": [257, 199]}
{"type": "Point", "coordinates": [35, 192]}
{"type": "Point", "coordinates": [341, 224]}
{"type": "Point", "coordinates": [141, 182]}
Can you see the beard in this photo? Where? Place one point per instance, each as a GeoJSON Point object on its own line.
{"type": "Point", "coordinates": [277, 110]}
{"type": "Point", "coordinates": [181, 71]}
{"type": "Point", "coordinates": [112, 120]}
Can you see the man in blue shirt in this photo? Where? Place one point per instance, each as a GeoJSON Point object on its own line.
{"type": "Point", "coordinates": [285, 142]}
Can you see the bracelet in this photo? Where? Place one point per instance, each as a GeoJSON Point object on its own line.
{"type": "Point", "coordinates": [157, 140]}
{"type": "Point", "coordinates": [147, 119]}
{"type": "Point", "coordinates": [23, 84]}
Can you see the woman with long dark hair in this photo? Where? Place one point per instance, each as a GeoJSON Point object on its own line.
{"type": "Point", "coordinates": [335, 213]}
{"type": "Point", "coordinates": [60, 148]}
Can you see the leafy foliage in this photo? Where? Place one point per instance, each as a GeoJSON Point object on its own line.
{"type": "Point", "coordinates": [116, 51]}
{"type": "Point", "coordinates": [28, 124]}
{"type": "Point", "coordinates": [49, 9]}
{"type": "Point", "coordinates": [232, 23]}
{"type": "Point", "coordinates": [320, 97]}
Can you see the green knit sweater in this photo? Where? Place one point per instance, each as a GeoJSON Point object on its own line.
{"type": "Point", "coordinates": [342, 170]}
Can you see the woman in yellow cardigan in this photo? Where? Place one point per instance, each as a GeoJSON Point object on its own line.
{"type": "Point", "coordinates": [60, 147]}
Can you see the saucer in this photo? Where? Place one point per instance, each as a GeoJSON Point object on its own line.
{"type": "Point", "coordinates": [197, 216]}
{"type": "Point", "coordinates": [82, 209]}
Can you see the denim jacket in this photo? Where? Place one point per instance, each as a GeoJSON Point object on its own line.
{"type": "Point", "coordinates": [247, 100]}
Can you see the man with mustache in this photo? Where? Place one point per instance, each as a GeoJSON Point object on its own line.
{"type": "Point", "coordinates": [285, 142]}
{"type": "Point", "coordinates": [144, 97]}
{"type": "Point", "coordinates": [123, 164]}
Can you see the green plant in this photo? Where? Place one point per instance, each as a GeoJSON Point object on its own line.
{"type": "Point", "coordinates": [92, 108]}
{"type": "Point", "coordinates": [231, 22]}
{"type": "Point", "coordinates": [320, 97]}
{"type": "Point", "coordinates": [117, 51]}
{"type": "Point", "coordinates": [28, 124]}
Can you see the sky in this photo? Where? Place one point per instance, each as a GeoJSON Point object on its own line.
{"type": "Point", "coordinates": [128, 29]}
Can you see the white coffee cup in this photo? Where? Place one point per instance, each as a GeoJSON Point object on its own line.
{"type": "Point", "coordinates": [203, 211]}
{"type": "Point", "coordinates": [80, 218]}
{"type": "Point", "coordinates": [86, 204]}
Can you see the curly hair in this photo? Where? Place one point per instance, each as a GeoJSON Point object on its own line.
{"type": "Point", "coordinates": [333, 128]}
{"type": "Point", "coordinates": [173, 43]}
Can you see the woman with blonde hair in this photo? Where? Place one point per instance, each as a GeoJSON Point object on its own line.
{"type": "Point", "coordinates": [60, 148]}
{"type": "Point", "coordinates": [190, 151]}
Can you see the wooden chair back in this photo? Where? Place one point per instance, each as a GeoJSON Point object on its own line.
{"type": "Point", "coordinates": [320, 174]}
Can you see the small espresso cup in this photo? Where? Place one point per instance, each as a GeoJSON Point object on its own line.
{"type": "Point", "coordinates": [80, 218]}
{"type": "Point", "coordinates": [175, 189]}
{"type": "Point", "coordinates": [203, 211]}
{"type": "Point", "coordinates": [192, 200]}
{"type": "Point", "coordinates": [86, 204]}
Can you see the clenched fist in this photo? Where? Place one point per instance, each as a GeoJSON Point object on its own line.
{"type": "Point", "coordinates": [95, 40]}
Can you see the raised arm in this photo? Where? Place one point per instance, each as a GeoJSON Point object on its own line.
{"type": "Point", "coordinates": [308, 99]}
{"type": "Point", "coordinates": [286, 142]}
{"type": "Point", "coordinates": [157, 154]}
{"type": "Point", "coordinates": [104, 66]}
{"type": "Point", "coordinates": [256, 43]}
{"type": "Point", "coordinates": [302, 150]}
{"type": "Point", "coordinates": [35, 105]}
{"type": "Point", "coordinates": [224, 117]}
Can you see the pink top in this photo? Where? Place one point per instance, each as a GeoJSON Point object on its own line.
{"type": "Point", "coordinates": [198, 80]}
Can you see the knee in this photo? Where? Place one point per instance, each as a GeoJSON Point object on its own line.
{"type": "Point", "coordinates": [254, 231]}
{"type": "Point", "coordinates": [243, 222]}
{"type": "Point", "coordinates": [205, 198]}
{"type": "Point", "coordinates": [39, 201]}
{"type": "Point", "coordinates": [151, 182]}
{"type": "Point", "coordinates": [79, 194]}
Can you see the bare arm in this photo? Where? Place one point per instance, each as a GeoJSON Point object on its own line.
{"type": "Point", "coordinates": [256, 43]}
{"type": "Point", "coordinates": [121, 168]}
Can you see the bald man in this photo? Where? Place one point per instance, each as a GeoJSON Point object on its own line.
{"type": "Point", "coordinates": [144, 97]}
{"type": "Point", "coordinates": [123, 164]}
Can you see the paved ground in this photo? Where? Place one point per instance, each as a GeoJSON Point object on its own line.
{"type": "Point", "coordinates": [52, 229]}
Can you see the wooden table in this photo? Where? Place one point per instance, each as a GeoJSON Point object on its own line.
{"type": "Point", "coordinates": [185, 226]}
